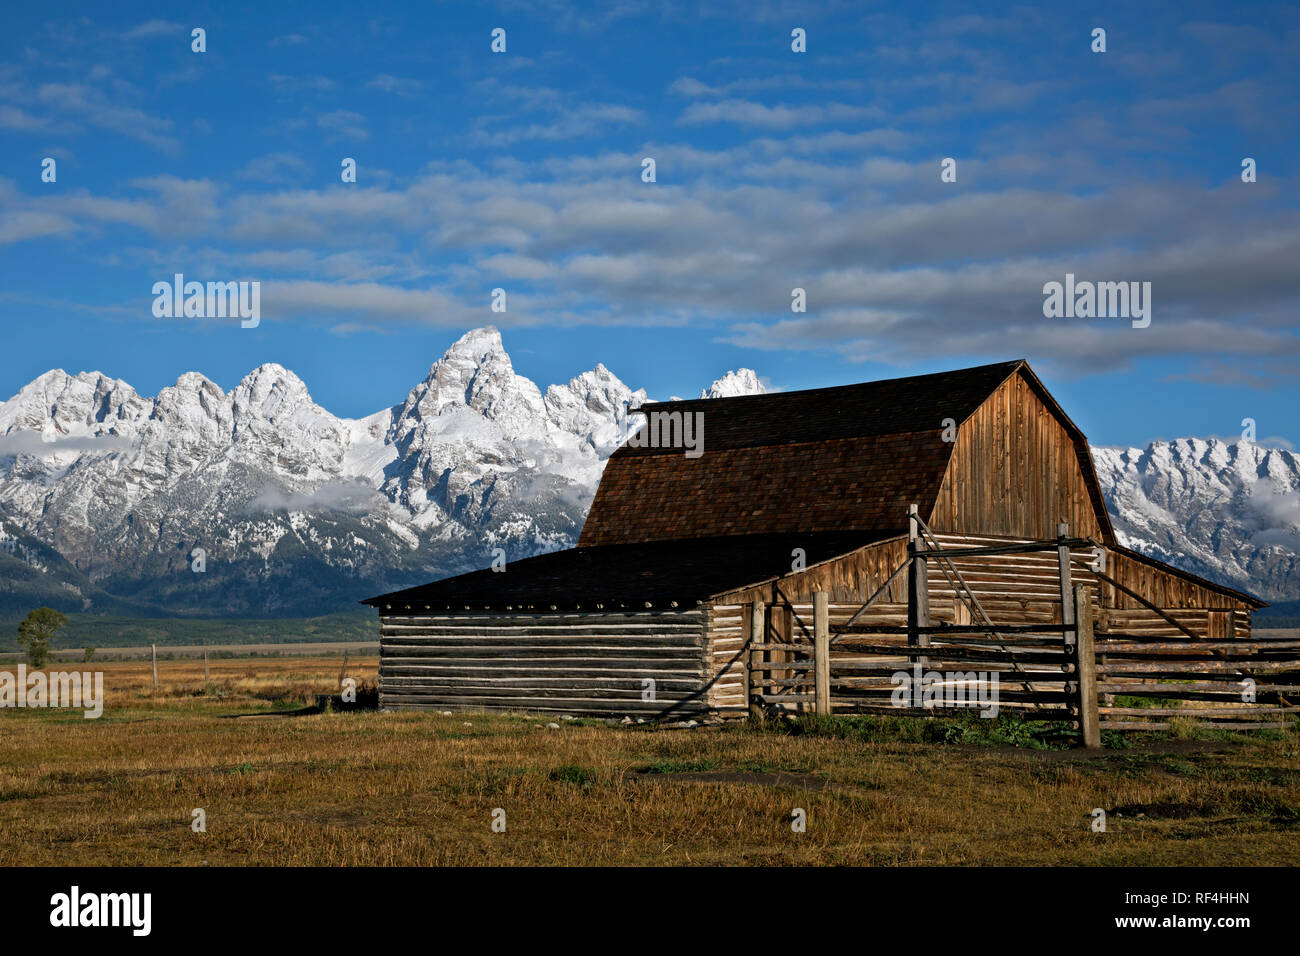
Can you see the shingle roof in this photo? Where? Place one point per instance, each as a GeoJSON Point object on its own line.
{"type": "Point", "coordinates": [627, 575]}
{"type": "Point", "coordinates": [826, 459]}
{"type": "Point", "coordinates": [862, 484]}
{"type": "Point", "coordinates": [918, 403]}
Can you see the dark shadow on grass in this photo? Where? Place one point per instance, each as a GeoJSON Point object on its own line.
{"type": "Point", "coordinates": [325, 704]}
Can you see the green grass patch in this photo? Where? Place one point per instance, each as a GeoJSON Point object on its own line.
{"type": "Point", "coordinates": [971, 729]}
{"type": "Point", "coordinates": [573, 774]}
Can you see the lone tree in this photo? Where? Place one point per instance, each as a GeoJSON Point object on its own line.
{"type": "Point", "coordinates": [36, 633]}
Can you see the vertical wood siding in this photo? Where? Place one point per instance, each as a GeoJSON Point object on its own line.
{"type": "Point", "coordinates": [1014, 471]}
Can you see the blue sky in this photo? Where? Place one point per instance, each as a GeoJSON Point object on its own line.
{"type": "Point", "coordinates": [775, 170]}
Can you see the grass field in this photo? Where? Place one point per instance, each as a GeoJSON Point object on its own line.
{"type": "Point", "coordinates": [369, 788]}
{"type": "Point", "coordinates": [66, 656]}
{"type": "Point", "coordinates": [105, 632]}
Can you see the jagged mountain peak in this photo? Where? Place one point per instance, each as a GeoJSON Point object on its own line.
{"type": "Point", "coordinates": [57, 404]}
{"type": "Point", "coordinates": [475, 351]}
{"type": "Point", "coordinates": [597, 381]}
{"type": "Point", "coordinates": [740, 382]}
{"type": "Point", "coordinates": [481, 342]}
{"type": "Point", "coordinates": [270, 373]}
{"type": "Point", "coordinates": [194, 382]}
{"type": "Point", "coordinates": [474, 373]}
{"type": "Point", "coordinates": [57, 382]}
{"type": "Point", "coordinates": [268, 390]}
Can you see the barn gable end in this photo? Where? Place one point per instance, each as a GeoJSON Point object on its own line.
{"type": "Point", "coordinates": [1019, 466]}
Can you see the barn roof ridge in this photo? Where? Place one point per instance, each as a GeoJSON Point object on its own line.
{"type": "Point", "coordinates": [1010, 365]}
{"type": "Point", "coordinates": [914, 405]}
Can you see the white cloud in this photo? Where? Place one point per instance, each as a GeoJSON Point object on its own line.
{"type": "Point", "coordinates": [346, 497]}
{"type": "Point", "coordinates": [751, 113]}
{"type": "Point", "coordinates": [34, 444]}
{"type": "Point", "coordinates": [298, 84]}
{"type": "Point", "coordinates": [86, 105]}
{"type": "Point", "coordinates": [394, 84]}
{"type": "Point", "coordinates": [344, 124]}
{"type": "Point", "coordinates": [154, 28]}
{"type": "Point", "coordinates": [275, 168]}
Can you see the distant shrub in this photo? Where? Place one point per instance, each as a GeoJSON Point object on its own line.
{"type": "Point", "coordinates": [36, 634]}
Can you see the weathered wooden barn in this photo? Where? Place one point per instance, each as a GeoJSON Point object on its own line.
{"type": "Point", "coordinates": [820, 539]}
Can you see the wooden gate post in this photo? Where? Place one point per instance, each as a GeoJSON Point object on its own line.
{"type": "Point", "coordinates": [822, 652]}
{"type": "Point", "coordinates": [754, 672]}
{"type": "Point", "coordinates": [1089, 720]}
{"type": "Point", "coordinates": [1067, 592]}
{"type": "Point", "coordinates": [918, 587]}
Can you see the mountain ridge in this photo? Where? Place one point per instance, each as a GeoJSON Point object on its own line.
{"type": "Point", "coordinates": [297, 511]}
{"type": "Point", "coordinates": [290, 506]}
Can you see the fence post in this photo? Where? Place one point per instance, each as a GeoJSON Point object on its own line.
{"type": "Point", "coordinates": [1089, 720]}
{"type": "Point", "coordinates": [1067, 591]}
{"type": "Point", "coordinates": [822, 652]}
{"type": "Point", "coordinates": [205, 665]}
{"type": "Point", "coordinates": [918, 587]}
{"type": "Point", "coordinates": [754, 671]}
{"type": "Point", "coordinates": [155, 667]}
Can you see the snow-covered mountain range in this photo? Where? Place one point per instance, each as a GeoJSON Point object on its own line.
{"type": "Point", "coordinates": [292, 508]}
{"type": "Point", "coordinates": [1229, 511]}
{"type": "Point", "coordinates": [107, 497]}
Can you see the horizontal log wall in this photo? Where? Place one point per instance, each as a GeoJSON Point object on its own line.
{"type": "Point", "coordinates": [1033, 669]}
{"type": "Point", "coordinates": [727, 662]}
{"type": "Point", "coordinates": [1020, 590]}
{"type": "Point", "coordinates": [786, 679]}
{"type": "Point", "coordinates": [572, 663]}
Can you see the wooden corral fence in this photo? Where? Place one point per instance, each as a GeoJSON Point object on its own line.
{"type": "Point", "coordinates": [1242, 685]}
{"type": "Point", "coordinates": [1042, 624]}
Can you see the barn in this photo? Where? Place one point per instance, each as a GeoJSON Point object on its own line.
{"type": "Point", "coordinates": [816, 541]}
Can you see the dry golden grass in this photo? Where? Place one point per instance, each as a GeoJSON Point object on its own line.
{"type": "Point", "coordinates": [366, 788]}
